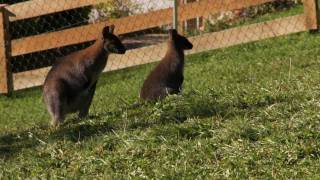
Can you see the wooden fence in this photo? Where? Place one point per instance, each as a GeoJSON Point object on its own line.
{"type": "Point", "coordinates": [10, 48]}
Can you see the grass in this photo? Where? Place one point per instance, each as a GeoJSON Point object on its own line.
{"type": "Point", "coordinates": [249, 111]}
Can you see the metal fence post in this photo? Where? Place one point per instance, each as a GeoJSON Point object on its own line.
{"type": "Point", "coordinates": [175, 14]}
{"type": "Point", "coordinates": [318, 13]}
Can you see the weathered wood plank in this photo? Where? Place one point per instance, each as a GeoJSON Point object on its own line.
{"type": "Point", "coordinates": [226, 38]}
{"type": "Point", "coordinates": [125, 25]}
{"type": "Point", "coordinates": [311, 14]}
{"type": "Point", "coordinates": [35, 8]}
{"type": "Point", "coordinates": [6, 81]}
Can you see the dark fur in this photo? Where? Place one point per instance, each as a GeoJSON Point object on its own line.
{"type": "Point", "coordinates": [167, 77]}
{"type": "Point", "coordinates": [70, 84]}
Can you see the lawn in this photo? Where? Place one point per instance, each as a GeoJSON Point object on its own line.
{"type": "Point", "coordinates": [248, 111]}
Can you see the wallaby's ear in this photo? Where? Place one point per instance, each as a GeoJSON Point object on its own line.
{"type": "Point", "coordinates": [111, 29]}
{"type": "Point", "coordinates": [105, 31]}
{"type": "Point", "coordinates": [172, 33]}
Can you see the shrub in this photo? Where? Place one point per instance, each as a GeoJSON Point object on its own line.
{"type": "Point", "coordinates": [112, 9]}
{"type": "Point", "coordinates": [224, 20]}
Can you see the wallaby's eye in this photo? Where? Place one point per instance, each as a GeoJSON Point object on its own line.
{"type": "Point", "coordinates": [112, 48]}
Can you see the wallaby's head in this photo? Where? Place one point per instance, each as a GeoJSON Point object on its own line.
{"type": "Point", "coordinates": [179, 41]}
{"type": "Point", "coordinates": [112, 43]}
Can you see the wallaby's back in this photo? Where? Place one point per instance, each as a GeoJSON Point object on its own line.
{"type": "Point", "coordinates": [167, 77]}
{"type": "Point", "coordinates": [70, 84]}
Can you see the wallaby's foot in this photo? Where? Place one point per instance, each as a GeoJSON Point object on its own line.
{"type": "Point", "coordinates": [55, 123]}
{"type": "Point", "coordinates": [57, 120]}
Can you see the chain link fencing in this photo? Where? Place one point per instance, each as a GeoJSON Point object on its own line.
{"type": "Point", "coordinates": [41, 31]}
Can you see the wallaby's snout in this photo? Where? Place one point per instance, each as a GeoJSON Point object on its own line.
{"type": "Point", "coordinates": [121, 49]}
{"type": "Point", "coordinates": [115, 47]}
{"type": "Point", "coordinates": [188, 45]}
{"type": "Point", "coordinates": [180, 41]}
{"type": "Point", "coordinates": [112, 43]}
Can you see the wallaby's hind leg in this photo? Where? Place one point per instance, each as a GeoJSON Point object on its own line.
{"type": "Point", "coordinates": [84, 111]}
{"type": "Point", "coordinates": [165, 92]}
{"type": "Point", "coordinates": [168, 91]}
{"type": "Point", "coordinates": [54, 106]}
{"type": "Point", "coordinates": [57, 119]}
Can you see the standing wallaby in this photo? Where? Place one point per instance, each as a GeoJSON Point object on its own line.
{"type": "Point", "coordinates": [70, 84]}
{"type": "Point", "coordinates": [167, 77]}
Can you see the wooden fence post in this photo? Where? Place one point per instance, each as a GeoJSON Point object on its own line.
{"type": "Point", "coordinates": [318, 12]}
{"type": "Point", "coordinates": [6, 79]}
{"type": "Point", "coordinates": [311, 13]}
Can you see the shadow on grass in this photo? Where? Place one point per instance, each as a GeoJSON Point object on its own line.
{"type": "Point", "coordinates": [82, 131]}
{"type": "Point", "coordinates": [10, 150]}
{"type": "Point", "coordinates": [175, 110]}
{"type": "Point", "coordinates": [11, 144]}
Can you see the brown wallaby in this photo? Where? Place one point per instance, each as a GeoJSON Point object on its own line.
{"type": "Point", "coordinates": [70, 84]}
{"type": "Point", "coordinates": [167, 77]}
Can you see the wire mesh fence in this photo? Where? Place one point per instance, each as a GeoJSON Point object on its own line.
{"type": "Point", "coordinates": [38, 32]}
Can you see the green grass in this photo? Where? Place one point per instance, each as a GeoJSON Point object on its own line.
{"type": "Point", "coordinates": [249, 111]}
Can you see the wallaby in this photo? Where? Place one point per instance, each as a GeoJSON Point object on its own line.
{"type": "Point", "coordinates": [167, 77]}
{"type": "Point", "coordinates": [71, 83]}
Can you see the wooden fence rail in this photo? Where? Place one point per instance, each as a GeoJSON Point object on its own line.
{"type": "Point", "coordinates": [36, 8]}
{"type": "Point", "coordinates": [125, 25]}
{"type": "Point", "coordinates": [151, 54]}
{"type": "Point", "coordinates": [6, 83]}
{"type": "Point", "coordinates": [10, 48]}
